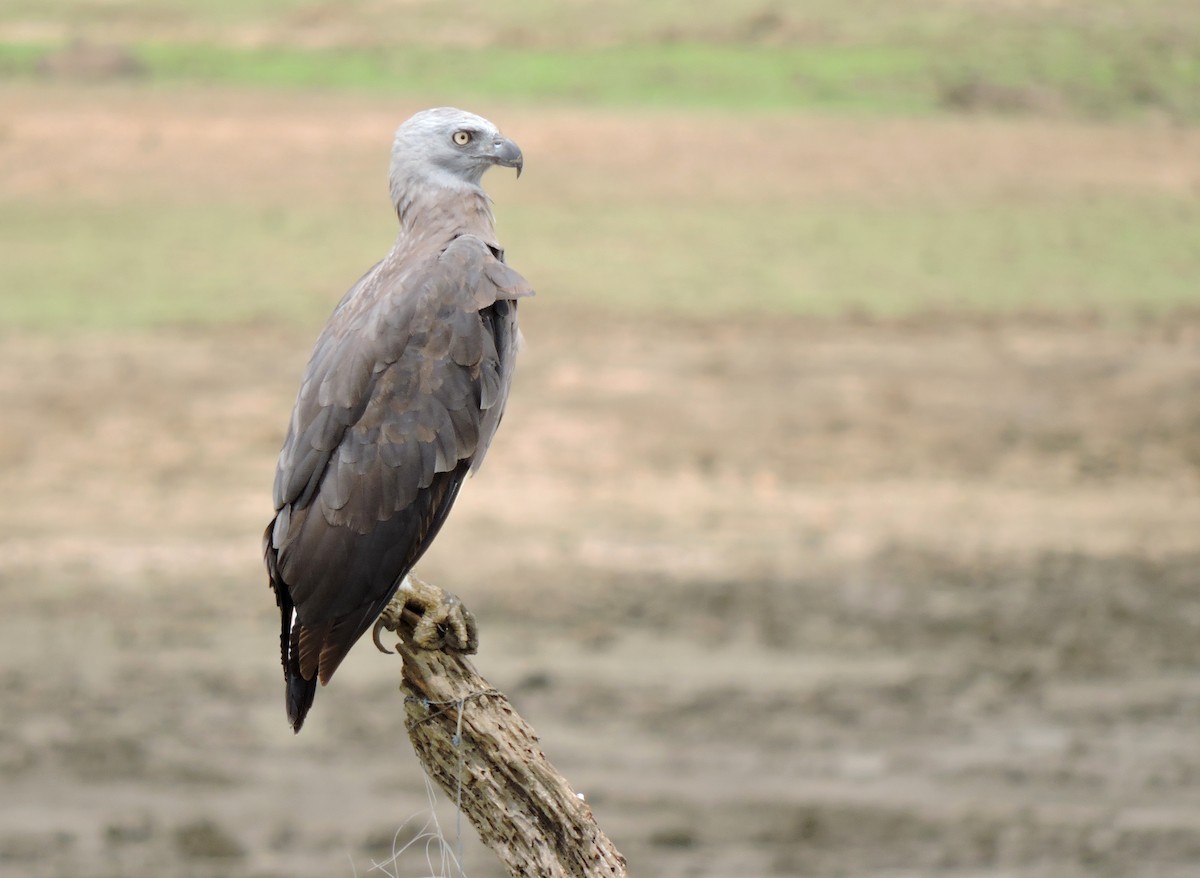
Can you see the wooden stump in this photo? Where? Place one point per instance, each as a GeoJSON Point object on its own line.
{"type": "Point", "coordinates": [483, 754]}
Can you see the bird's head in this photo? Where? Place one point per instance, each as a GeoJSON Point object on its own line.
{"type": "Point", "coordinates": [449, 148]}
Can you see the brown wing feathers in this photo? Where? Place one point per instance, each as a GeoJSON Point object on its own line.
{"type": "Point", "coordinates": [401, 395]}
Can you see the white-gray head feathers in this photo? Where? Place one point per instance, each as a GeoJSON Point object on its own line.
{"type": "Point", "coordinates": [447, 148]}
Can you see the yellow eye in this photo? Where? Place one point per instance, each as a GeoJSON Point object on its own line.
{"type": "Point", "coordinates": [462, 138]}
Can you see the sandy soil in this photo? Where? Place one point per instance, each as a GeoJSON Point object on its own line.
{"type": "Point", "coordinates": [120, 143]}
{"type": "Point", "coordinates": [781, 599]}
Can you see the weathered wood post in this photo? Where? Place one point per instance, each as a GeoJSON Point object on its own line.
{"type": "Point", "coordinates": [483, 754]}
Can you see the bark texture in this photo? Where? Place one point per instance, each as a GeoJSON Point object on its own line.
{"type": "Point", "coordinates": [486, 757]}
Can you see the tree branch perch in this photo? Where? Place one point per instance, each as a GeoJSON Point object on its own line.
{"type": "Point", "coordinates": [482, 753]}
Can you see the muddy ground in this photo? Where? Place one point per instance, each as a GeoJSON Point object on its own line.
{"type": "Point", "coordinates": [781, 598]}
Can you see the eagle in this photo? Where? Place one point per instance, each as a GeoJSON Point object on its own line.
{"type": "Point", "coordinates": [399, 401]}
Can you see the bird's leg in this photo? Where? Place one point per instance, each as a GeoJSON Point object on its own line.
{"type": "Point", "coordinates": [428, 616]}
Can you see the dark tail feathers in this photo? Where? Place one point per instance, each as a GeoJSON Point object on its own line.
{"type": "Point", "coordinates": [298, 692]}
{"type": "Point", "coordinates": [299, 697]}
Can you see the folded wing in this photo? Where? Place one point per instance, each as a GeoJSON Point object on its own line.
{"type": "Point", "coordinates": [401, 398]}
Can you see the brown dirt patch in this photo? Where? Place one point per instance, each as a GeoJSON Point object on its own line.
{"type": "Point", "coordinates": [122, 143]}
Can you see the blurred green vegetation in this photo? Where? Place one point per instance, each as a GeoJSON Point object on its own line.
{"type": "Point", "coordinates": [1114, 256]}
{"type": "Point", "coordinates": [1098, 59]}
{"type": "Point", "coordinates": [149, 263]}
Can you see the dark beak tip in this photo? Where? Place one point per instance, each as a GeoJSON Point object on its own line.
{"type": "Point", "coordinates": [509, 155]}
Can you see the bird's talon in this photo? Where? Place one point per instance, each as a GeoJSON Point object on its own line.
{"type": "Point", "coordinates": [380, 623]}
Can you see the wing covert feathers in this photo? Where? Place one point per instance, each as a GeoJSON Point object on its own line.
{"type": "Point", "coordinates": [400, 399]}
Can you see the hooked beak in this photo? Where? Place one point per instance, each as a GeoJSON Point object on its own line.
{"type": "Point", "coordinates": [507, 154]}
